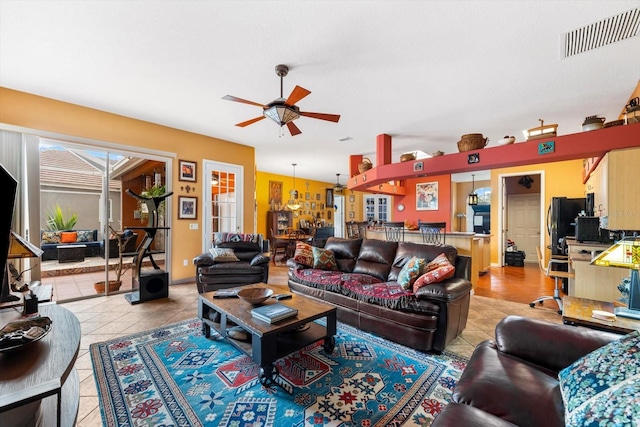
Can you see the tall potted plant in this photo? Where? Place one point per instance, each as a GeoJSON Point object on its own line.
{"type": "Point", "coordinates": [122, 238]}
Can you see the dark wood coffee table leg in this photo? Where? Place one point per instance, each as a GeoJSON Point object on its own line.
{"type": "Point", "coordinates": [330, 340]}
{"type": "Point", "coordinates": [264, 354]}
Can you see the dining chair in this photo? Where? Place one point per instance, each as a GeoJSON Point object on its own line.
{"type": "Point", "coordinates": [278, 246]}
{"type": "Point", "coordinates": [433, 233]}
{"type": "Point", "coordinates": [295, 236]}
{"type": "Point", "coordinates": [353, 232]}
{"type": "Point", "coordinates": [556, 275]}
{"type": "Point", "coordinates": [394, 231]}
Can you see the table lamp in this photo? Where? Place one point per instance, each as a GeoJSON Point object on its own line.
{"type": "Point", "coordinates": [18, 248]}
{"type": "Point", "coordinates": [625, 253]}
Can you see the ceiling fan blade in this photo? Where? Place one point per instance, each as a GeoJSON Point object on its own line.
{"type": "Point", "coordinates": [250, 122]}
{"type": "Point", "coordinates": [244, 101]}
{"type": "Point", "coordinates": [322, 116]}
{"type": "Point", "coordinates": [293, 129]}
{"type": "Point", "coordinates": [296, 95]}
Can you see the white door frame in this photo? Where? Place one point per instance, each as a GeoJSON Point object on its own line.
{"type": "Point", "coordinates": [502, 209]}
{"type": "Point", "coordinates": [209, 166]}
{"type": "Point", "coordinates": [338, 224]}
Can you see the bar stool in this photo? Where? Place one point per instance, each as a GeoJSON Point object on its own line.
{"type": "Point", "coordinates": [394, 231]}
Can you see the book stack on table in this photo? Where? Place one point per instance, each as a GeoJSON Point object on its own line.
{"type": "Point", "coordinates": [273, 312]}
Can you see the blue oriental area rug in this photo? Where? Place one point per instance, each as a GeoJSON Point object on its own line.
{"type": "Point", "coordinates": [174, 376]}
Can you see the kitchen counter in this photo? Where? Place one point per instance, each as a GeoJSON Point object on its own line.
{"type": "Point", "coordinates": [591, 281]}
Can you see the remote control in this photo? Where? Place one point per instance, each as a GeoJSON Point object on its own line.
{"type": "Point", "coordinates": [226, 294]}
{"type": "Point", "coordinates": [281, 296]}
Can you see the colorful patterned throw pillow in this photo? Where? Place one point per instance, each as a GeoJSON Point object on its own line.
{"type": "Point", "coordinates": [304, 254]}
{"type": "Point", "coordinates": [436, 271]}
{"type": "Point", "coordinates": [324, 259]}
{"type": "Point", "coordinates": [51, 236]}
{"type": "Point", "coordinates": [410, 272]}
{"type": "Point", "coordinates": [68, 237]}
{"type": "Point", "coordinates": [603, 387]}
{"type": "Point", "coordinates": [223, 255]}
{"type": "Point", "coordinates": [85, 236]}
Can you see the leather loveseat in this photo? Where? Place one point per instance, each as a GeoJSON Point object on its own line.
{"type": "Point", "coordinates": [251, 266]}
{"type": "Point", "coordinates": [513, 380]}
{"type": "Point", "coordinates": [367, 295]}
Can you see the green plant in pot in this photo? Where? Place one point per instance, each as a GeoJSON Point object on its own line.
{"type": "Point", "coordinates": [56, 219]}
{"type": "Point", "coordinates": [122, 238]}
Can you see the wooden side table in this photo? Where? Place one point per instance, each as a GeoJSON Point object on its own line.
{"type": "Point", "coordinates": [577, 311]}
{"type": "Point", "coordinates": [42, 374]}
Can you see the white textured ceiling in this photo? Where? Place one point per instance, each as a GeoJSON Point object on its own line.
{"type": "Point", "coordinates": [424, 72]}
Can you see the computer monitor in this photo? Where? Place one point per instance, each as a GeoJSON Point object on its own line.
{"type": "Point", "coordinates": [8, 191]}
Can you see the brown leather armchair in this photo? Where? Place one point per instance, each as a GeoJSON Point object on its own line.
{"type": "Point", "coordinates": [513, 380]}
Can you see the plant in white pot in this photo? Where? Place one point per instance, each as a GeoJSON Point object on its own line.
{"type": "Point", "coordinates": [122, 238]}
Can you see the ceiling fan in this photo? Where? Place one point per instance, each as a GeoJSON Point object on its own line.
{"type": "Point", "coordinates": [284, 111]}
{"type": "Point", "coordinates": [337, 187]}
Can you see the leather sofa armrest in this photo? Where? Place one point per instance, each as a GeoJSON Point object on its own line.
{"type": "Point", "coordinates": [292, 264]}
{"type": "Point", "coordinates": [260, 259]}
{"type": "Point", "coordinates": [550, 345]}
{"type": "Point", "coordinates": [463, 267]}
{"type": "Point", "coordinates": [204, 260]}
{"type": "Point", "coordinates": [445, 291]}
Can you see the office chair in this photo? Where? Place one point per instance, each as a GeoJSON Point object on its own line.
{"type": "Point", "coordinates": [556, 275]}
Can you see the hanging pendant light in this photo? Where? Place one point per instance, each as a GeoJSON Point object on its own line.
{"type": "Point", "coordinates": [293, 205]}
{"type": "Point", "coordinates": [472, 200]}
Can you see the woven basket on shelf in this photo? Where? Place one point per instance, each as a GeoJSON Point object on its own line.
{"type": "Point", "coordinates": [364, 165]}
{"type": "Point", "coordinates": [472, 141]}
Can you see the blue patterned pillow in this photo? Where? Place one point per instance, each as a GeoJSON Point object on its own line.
{"type": "Point", "coordinates": [603, 387]}
{"type": "Point", "coordinates": [410, 272]}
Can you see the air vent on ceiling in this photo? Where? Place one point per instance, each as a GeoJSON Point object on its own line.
{"type": "Point", "coordinates": [602, 33]}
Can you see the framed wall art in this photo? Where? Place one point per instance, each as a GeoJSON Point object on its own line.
{"type": "Point", "coordinates": [427, 196]}
{"type": "Point", "coordinates": [275, 192]}
{"type": "Point", "coordinates": [187, 170]}
{"type": "Point", "coordinates": [187, 207]}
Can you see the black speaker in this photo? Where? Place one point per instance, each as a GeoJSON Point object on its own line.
{"type": "Point", "coordinates": [153, 284]}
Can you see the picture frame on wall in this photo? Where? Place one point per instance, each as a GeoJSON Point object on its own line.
{"type": "Point", "coordinates": [275, 192]}
{"type": "Point", "coordinates": [427, 196]}
{"type": "Point", "coordinates": [352, 198]}
{"type": "Point", "coordinates": [187, 170]}
{"type": "Point", "coordinates": [187, 207]}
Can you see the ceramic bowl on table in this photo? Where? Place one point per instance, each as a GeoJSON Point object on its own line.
{"type": "Point", "coordinates": [255, 295]}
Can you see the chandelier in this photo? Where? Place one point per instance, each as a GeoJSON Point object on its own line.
{"type": "Point", "coordinates": [293, 204]}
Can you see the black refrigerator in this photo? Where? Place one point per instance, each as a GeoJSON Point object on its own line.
{"type": "Point", "coordinates": [561, 221]}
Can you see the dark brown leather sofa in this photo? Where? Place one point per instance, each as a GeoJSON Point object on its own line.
{"type": "Point", "coordinates": [427, 321]}
{"type": "Point", "coordinates": [513, 380]}
{"type": "Point", "coordinates": [253, 267]}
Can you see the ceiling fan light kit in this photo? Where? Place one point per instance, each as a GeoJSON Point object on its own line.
{"type": "Point", "coordinates": [284, 111]}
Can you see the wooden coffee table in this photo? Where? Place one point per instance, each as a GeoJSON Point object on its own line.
{"type": "Point", "coordinates": [269, 341]}
{"type": "Point", "coordinates": [577, 311]}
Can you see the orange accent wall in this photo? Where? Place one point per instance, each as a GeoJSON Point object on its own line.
{"type": "Point", "coordinates": [411, 214]}
{"type": "Point", "coordinates": [36, 112]}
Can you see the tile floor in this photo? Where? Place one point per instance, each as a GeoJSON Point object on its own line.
{"type": "Point", "coordinates": [105, 318]}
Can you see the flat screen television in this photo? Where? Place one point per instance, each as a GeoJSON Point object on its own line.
{"type": "Point", "coordinates": [8, 191]}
